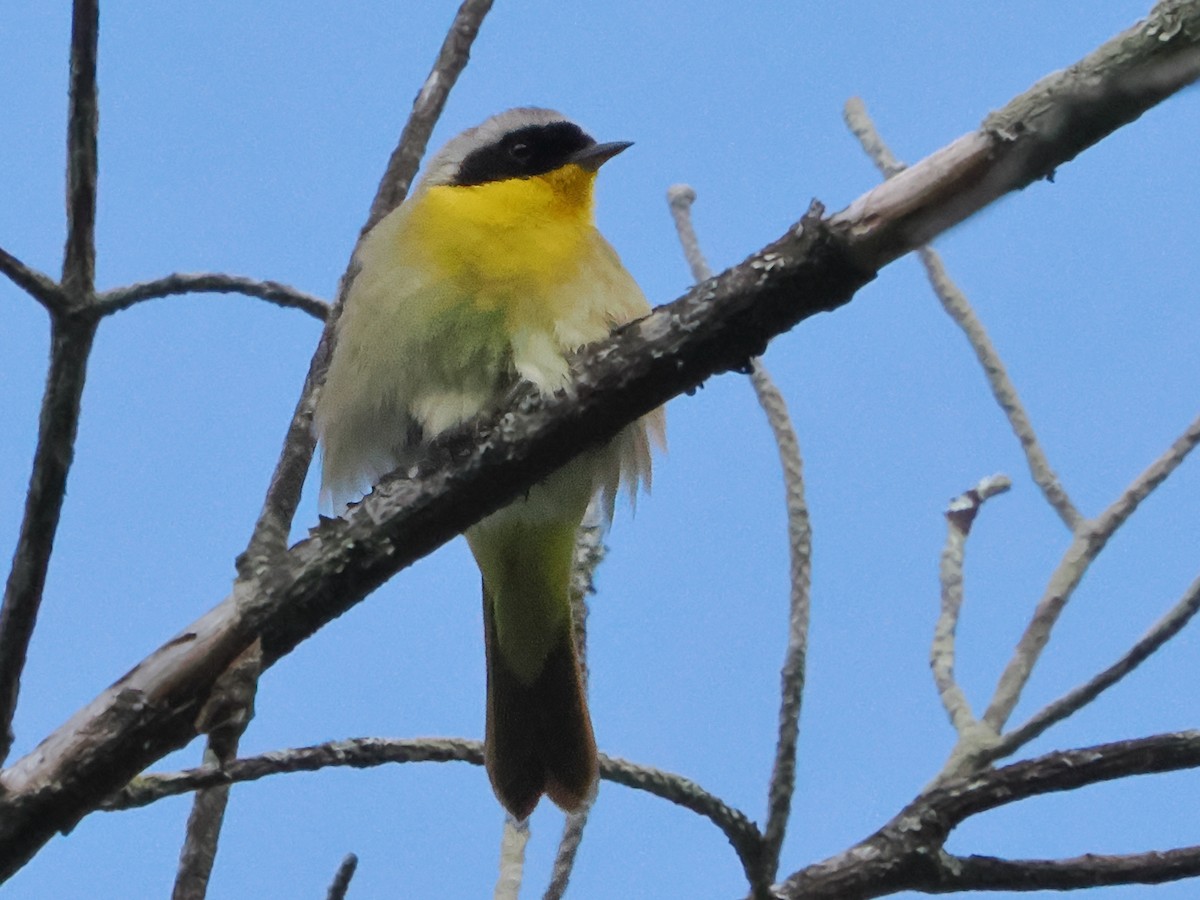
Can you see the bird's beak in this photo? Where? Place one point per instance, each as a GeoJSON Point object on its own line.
{"type": "Point", "coordinates": [593, 157]}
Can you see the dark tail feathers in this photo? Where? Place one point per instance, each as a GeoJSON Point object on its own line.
{"type": "Point", "coordinates": [539, 735]}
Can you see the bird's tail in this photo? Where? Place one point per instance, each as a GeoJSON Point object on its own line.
{"type": "Point", "coordinates": [539, 733]}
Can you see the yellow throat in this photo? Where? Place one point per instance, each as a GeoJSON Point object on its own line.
{"type": "Point", "coordinates": [508, 244]}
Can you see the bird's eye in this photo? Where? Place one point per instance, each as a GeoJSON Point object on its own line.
{"type": "Point", "coordinates": [520, 152]}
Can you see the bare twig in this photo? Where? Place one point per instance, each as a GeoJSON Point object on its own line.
{"type": "Point", "coordinates": [271, 531]}
{"type": "Point", "coordinates": [1161, 632]}
{"type": "Point", "coordinates": [1003, 390]}
{"type": "Point", "coordinates": [224, 718]}
{"type": "Point", "coordinates": [1024, 141]}
{"type": "Point", "coordinates": [109, 302]}
{"type": "Point", "coordinates": [716, 327]}
{"type": "Point", "coordinates": [199, 849]}
{"type": "Point", "coordinates": [986, 873]}
{"type": "Point", "coordinates": [960, 515]}
{"type": "Point", "coordinates": [791, 676]}
{"type": "Point", "coordinates": [358, 753]}
{"type": "Point", "coordinates": [1083, 550]}
{"type": "Point", "coordinates": [341, 880]}
{"type": "Point", "coordinates": [680, 198]}
{"type": "Point", "coordinates": [427, 109]}
{"type": "Point", "coordinates": [568, 847]}
{"type": "Point", "coordinates": [71, 342]}
{"type": "Point", "coordinates": [513, 841]}
{"type": "Point", "coordinates": [906, 854]}
{"type": "Point", "coordinates": [83, 122]}
{"type": "Point", "coordinates": [740, 831]}
{"type": "Point", "coordinates": [783, 774]}
{"type": "Point", "coordinates": [589, 553]}
{"type": "Point", "coordinates": [37, 284]}
{"type": "Point", "coordinates": [363, 753]}
{"type": "Point", "coordinates": [956, 305]}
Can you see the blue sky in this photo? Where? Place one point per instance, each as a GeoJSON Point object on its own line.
{"type": "Point", "coordinates": [249, 138]}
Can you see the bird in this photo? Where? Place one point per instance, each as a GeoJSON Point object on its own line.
{"type": "Point", "coordinates": [490, 276]}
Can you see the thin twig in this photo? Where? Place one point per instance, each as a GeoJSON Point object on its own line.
{"type": "Point", "coordinates": [1083, 550]}
{"type": "Point", "coordinates": [199, 849]}
{"type": "Point", "coordinates": [680, 198]}
{"type": "Point", "coordinates": [108, 302]}
{"type": "Point", "coordinates": [357, 753]}
{"type": "Point", "coordinates": [341, 880]}
{"type": "Point", "coordinates": [513, 841]}
{"type": "Point", "coordinates": [960, 515]}
{"type": "Point", "coordinates": [37, 284]}
{"type": "Point", "coordinates": [792, 673]}
{"type": "Point", "coordinates": [71, 342]}
{"type": "Point", "coordinates": [783, 774]}
{"type": "Point", "coordinates": [987, 873]}
{"type": "Point", "coordinates": [589, 553]}
{"type": "Point", "coordinates": [568, 847]}
{"type": "Point", "coordinates": [1161, 632]}
{"type": "Point", "coordinates": [959, 308]}
{"type": "Point", "coordinates": [274, 523]}
{"type": "Point", "coordinates": [739, 830]}
{"type": "Point", "coordinates": [906, 854]}
{"type": "Point", "coordinates": [224, 718]}
{"type": "Point", "coordinates": [363, 753]}
{"type": "Point", "coordinates": [427, 109]}
{"type": "Point", "coordinates": [83, 122]}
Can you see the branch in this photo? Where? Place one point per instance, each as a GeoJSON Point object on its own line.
{"type": "Point", "coordinates": [986, 873]}
{"type": "Point", "coordinates": [956, 305]}
{"type": "Point", "coordinates": [70, 344]}
{"type": "Point", "coordinates": [109, 302]}
{"type": "Point", "coordinates": [906, 853]}
{"type": "Point", "coordinates": [37, 284]}
{"type": "Point", "coordinates": [224, 718]}
{"type": "Point", "coordinates": [58, 424]}
{"type": "Point", "coordinates": [960, 515]}
{"type": "Point", "coordinates": [427, 109]}
{"type": "Point", "coordinates": [783, 773]}
{"type": "Point", "coordinates": [274, 523]}
{"type": "Point", "coordinates": [716, 327]}
{"type": "Point", "coordinates": [1161, 632]}
{"type": "Point", "coordinates": [589, 553]}
{"type": "Point", "coordinates": [363, 753]}
{"type": "Point", "coordinates": [1025, 141]}
{"type": "Point", "coordinates": [341, 880]}
{"type": "Point", "coordinates": [83, 122]}
{"type": "Point", "coordinates": [513, 841]}
{"type": "Point", "coordinates": [1086, 546]}
{"type": "Point", "coordinates": [564, 858]}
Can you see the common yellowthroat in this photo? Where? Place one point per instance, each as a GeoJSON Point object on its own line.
{"type": "Point", "coordinates": [493, 272]}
